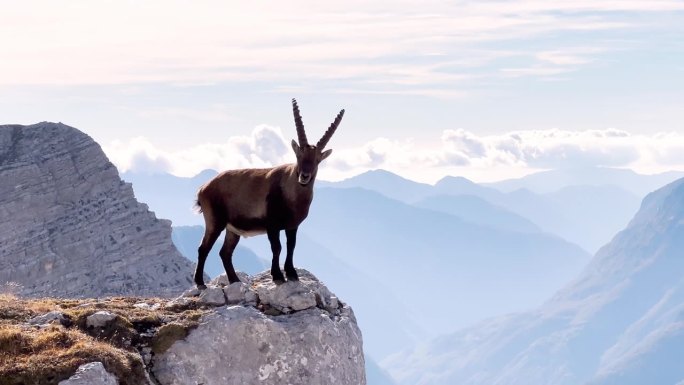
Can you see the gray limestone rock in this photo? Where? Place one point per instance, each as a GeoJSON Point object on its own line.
{"type": "Point", "coordinates": [242, 345]}
{"type": "Point", "coordinates": [239, 292]}
{"type": "Point", "coordinates": [48, 318]}
{"type": "Point", "coordinates": [222, 280]}
{"type": "Point", "coordinates": [71, 227]}
{"type": "Point", "coordinates": [100, 319]}
{"type": "Point", "coordinates": [192, 292]}
{"type": "Point", "coordinates": [306, 293]}
{"type": "Point", "coordinates": [93, 373]}
{"type": "Point", "coordinates": [212, 295]}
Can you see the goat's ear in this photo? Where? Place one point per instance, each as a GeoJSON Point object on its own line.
{"type": "Point", "coordinates": [326, 154]}
{"type": "Point", "coordinates": [295, 147]}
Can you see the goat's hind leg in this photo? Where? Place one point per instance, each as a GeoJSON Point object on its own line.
{"type": "Point", "coordinates": [211, 233]}
{"type": "Point", "coordinates": [226, 254]}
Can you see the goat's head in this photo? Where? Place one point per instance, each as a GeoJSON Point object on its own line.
{"type": "Point", "coordinates": [308, 156]}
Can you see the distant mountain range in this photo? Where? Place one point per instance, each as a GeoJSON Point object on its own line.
{"type": "Point", "coordinates": [569, 211]}
{"type": "Point", "coordinates": [561, 202]}
{"type": "Point", "coordinates": [554, 180]}
{"type": "Point", "coordinates": [621, 322]}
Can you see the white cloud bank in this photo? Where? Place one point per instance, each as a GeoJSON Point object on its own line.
{"type": "Point", "coordinates": [457, 152]}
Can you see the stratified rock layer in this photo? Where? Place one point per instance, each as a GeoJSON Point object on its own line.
{"type": "Point", "coordinates": [69, 226]}
{"type": "Point", "coordinates": [241, 344]}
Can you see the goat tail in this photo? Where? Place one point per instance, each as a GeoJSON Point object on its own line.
{"type": "Point", "coordinates": [197, 206]}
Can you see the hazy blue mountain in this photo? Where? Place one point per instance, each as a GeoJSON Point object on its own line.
{"type": "Point", "coordinates": [568, 212]}
{"type": "Point", "coordinates": [187, 239]}
{"type": "Point", "coordinates": [621, 322]}
{"type": "Point", "coordinates": [592, 215]}
{"type": "Point", "coordinates": [169, 196]}
{"type": "Point", "coordinates": [387, 184]}
{"type": "Point", "coordinates": [375, 375]}
{"type": "Point", "coordinates": [472, 271]}
{"type": "Point", "coordinates": [457, 185]}
{"type": "Point", "coordinates": [554, 180]}
{"type": "Point", "coordinates": [478, 211]}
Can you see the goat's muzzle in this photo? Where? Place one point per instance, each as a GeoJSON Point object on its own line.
{"type": "Point", "coordinates": [304, 178]}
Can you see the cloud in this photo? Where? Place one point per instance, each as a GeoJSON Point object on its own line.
{"type": "Point", "coordinates": [457, 151]}
{"type": "Point", "coordinates": [370, 47]}
{"type": "Point", "coordinates": [264, 147]}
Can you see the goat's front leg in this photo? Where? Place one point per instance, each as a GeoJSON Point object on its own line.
{"type": "Point", "coordinates": [290, 271]}
{"type": "Point", "coordinates": [274, 239]}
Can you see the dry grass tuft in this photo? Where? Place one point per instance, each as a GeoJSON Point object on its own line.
{"type": "Point", "coordinates": [31, 355]}
{"type": "Point", "coordinates": [34, 356]}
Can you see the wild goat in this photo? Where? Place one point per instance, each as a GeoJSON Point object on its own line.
{"type": "Point", "coordinates": [256, 201]}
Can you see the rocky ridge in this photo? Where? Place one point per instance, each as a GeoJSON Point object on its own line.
{"type": "Point", "coordinates": [249, 332]}
{"type": "Point", "coordinates": [71, 227]}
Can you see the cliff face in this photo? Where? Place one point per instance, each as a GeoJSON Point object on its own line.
{"type": "Point", "coordinates": [69, 226]}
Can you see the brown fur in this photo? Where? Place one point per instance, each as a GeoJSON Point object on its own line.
{"type": "Point", "coordinates": [261, 200]}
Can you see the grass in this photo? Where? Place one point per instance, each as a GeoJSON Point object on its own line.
{"type": "Point", "coordinates": [31, 355]}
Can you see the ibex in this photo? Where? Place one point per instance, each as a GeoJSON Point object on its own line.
{"type": "Point", "coordinates": [256, 201]}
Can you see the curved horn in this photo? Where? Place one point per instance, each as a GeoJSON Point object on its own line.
{"type": "Point", "coordinates": [330, 131]}
{"type": "Point", "coordinates": [301, 135]}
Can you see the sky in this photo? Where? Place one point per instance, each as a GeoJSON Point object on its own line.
{"type": "Point", "coordinates": [484, 89]}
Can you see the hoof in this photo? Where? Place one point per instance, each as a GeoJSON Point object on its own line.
{"type": "Point", "coordinates": [201, 287]}
{"type": "Point", "coordinates": [277, 276]}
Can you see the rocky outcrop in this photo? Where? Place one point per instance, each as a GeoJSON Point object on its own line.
{"type": "Point", "coordinates": [71, 227]}
{"type": "Point", "coordinates": [93, 373]}
{"type": "Point", "coordinates": [257, 336]}
{"type": "Point", "coordinates": [294, 333]}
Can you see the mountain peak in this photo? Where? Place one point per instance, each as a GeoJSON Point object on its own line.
{"type": "Point", "coordinates": [455, 180]}
{"type": "Point", "coordinates": [66, 210]}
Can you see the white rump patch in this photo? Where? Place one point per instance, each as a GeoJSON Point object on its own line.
{"type": "Point", "coordinates": [244, 233]}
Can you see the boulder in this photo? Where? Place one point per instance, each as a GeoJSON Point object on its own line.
{"type": "Point", "coordinates": [48, 318]}
{"type": "Point", "coordinates": [93, 373]}
{"type": "Point", "coordinates": [314, 340]}
{"type": "Point", "coordinates": [100, 319]}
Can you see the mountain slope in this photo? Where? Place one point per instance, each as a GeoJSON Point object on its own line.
{"type": "Point", "coordinates": [478, 211]}
{"type": "Point", "coordinates": [71, 227]}
{"type": "Point", "coordinates": [386, 183]}
{"type": "Point", "coordinates": [482, 269]}
{"type": "Point", "coordinates": [170, 196]}
{"type": "Point", "coordinates": [621, 322]}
